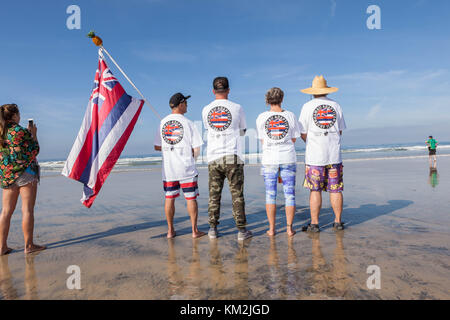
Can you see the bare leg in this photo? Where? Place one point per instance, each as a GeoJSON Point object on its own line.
{"type": "Point", "coordinates": [9, 201]}
{"type": "Point", "coordinates": [271, 210]}
{"type": "Point", "coordinates": [28, 195]}
{"type": "Point", "coordinates": [192, 209]}
{"type": "Point", "coordinates": [290, 212]}
{"type": "Point", "coordinates": [315, 204]}
{"type": "Point", "coordinates": [435, 160]}
{"type": "Point", "coordinates": [337, 201]}
{"type": "Point", "coordinates": [169, 208]}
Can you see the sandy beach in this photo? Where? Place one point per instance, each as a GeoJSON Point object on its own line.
{"type": "Point", "coordinates": [397, 218]}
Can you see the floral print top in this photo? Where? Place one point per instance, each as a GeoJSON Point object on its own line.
{"type": "Point", "coordinates": [20, 151]}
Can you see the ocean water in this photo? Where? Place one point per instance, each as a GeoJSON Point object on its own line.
{"type": "Point", "coordinates": [361, 152]}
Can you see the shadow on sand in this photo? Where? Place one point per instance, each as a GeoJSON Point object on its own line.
{"type": "Point", "coordinates": [366, 212]}
{"type": "Point", "coordinates": [257, 220]}
{"type": "Point", "coordinates": [112, 232]}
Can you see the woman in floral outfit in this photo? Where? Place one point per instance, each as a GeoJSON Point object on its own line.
{"type": "Point", "coordinates": [19, 175]}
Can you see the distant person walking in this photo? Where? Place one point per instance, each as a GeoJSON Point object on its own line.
{"type": "Point", "coordinates": [19, 175]}
{"type": "Point", "coordinates": [322, 122]}
{"type": "Point", "coordinates": [180, 142]}
{"type": "Point", "coordinates": [278, 129]}
{"type": "Point", "coordinates": [225, 122]}
{"type": "Point", "coordinates": [432, 144]}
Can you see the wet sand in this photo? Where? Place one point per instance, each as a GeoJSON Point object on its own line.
{"type": "Point", "coordinates": [397, 217]}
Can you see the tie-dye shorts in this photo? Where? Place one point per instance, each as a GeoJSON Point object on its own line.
{"type": "Point", "coordinates": [287, 173]}
{"type": "Point", "coordinates": [324, 178]}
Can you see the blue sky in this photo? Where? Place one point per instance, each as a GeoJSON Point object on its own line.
{"type": "Point", "coordinates": [396, 79]}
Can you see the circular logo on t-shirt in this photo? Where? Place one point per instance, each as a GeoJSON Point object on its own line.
{"type": "Point", "coordinates": [219, 118]}
{"type": "Point", "coordinates": [172, 132]}
{"type": "Point", "coordinates": [324, 116]}
{"type": "Point", "coordinates": [277, 127]}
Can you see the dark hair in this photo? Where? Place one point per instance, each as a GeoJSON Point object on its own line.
{"type": "Point", "coordinates": [220, 84]}
{"type": "Point", "coordinates": [430, 137]}
{"type": "Point", "coordinates": [274, 96]}
{"type": "Point", "coordinates": [7, 112]}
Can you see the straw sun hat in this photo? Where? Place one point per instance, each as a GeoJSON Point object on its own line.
{"type": "Point", "coordinates": [319, 86]}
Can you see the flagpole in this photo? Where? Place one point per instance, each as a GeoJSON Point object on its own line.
{"type": "Point", "coordinates": [131, 82]}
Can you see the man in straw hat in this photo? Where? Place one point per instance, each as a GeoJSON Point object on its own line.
{"type": "Point", "coordinates": [322, 121]}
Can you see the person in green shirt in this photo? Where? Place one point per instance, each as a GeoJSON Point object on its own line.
{"type": "Point", "coordinates": [432, 144]}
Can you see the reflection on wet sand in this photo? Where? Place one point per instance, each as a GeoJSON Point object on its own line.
{"type": "Point", "coordinates": [433, 177]}
{"type": "Point", "coordinates": [241, 287]}
{"type": "Point", "coordinates": [7, 289]}
{"type": "Point", "coordinates": [325, 280]}
{"type": "Point", "coordinates": [284, 276]}
{"type": "Point", "coordinates": [211, 281]}
{"type": "Point", "coordinates": [6, 281]}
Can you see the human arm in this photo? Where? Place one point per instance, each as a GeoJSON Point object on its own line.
{"type": "Point", "coordinates": [157, 141]}
{"type": "Point", "coordinates": [242, 122]}
{"type": "Point", "coordinates": [195, 152]}
{"type": "Point", "coordinates": [303, 136]}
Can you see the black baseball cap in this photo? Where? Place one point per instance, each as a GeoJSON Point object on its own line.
{"type": "Point", "coordinates": [220, 84]}
{"type": "Point", "coordinates": [176, 99]}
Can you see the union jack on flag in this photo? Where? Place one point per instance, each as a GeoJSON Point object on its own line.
{"type": "Point", "coordinates": [108, 122]}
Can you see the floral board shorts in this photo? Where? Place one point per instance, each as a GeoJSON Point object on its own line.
{"type": "Point", "coordinates": [324, 178]}
{"type": "Point", "coordinates": [287, 173]}
{"type": "Point", "coordinates": [189, 186]}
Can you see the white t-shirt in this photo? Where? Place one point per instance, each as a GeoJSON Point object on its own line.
{"type": "Point", "coordinates": [277, 129]}
{"type": "Point", "coordinates": [223, 119]}
{"type": "Point", "coordinates": [177, 136]}
{"type": "Point", "coordinates": [322, 119]}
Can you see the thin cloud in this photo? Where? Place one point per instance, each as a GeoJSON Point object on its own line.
{"type": "Point", "coordinates": [333, 8]}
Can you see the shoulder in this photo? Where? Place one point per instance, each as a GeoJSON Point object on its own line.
{"type": "Point", "coordinates": [261, 117]}
{"type": "Point", "coordinates": [232, 104]}
{"type": "Point", "coordinates": [290, 114]}
{"type": "Point", "coordinates": [16, 130]}
{"type": "Point", "coordinates": [16, 127]}
{"type": "Point", "coordinates": [334, 103]}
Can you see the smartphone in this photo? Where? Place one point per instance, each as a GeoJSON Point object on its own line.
{"type": "Point", "coordinates": [30, 123]}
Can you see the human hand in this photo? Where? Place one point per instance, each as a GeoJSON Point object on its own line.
{"type": "Point", "coordinates": [33, 129]}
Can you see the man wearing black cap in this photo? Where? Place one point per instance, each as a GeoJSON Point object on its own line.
{"type": "Point", "coordinates": [180, 142]}
{"type": "Point", "coordinates": [225, 122]}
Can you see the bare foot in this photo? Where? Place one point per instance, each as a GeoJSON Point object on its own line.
{"type": "Point", "coordinates": [270, 233]}
{"type": "Point", "coordinates": [198, 234]}
{"type": "Point", "coordinates": [290, 232]}
{"type": "Point", "coordinates": [5, 252]}
{"type": "Point", "coordinates": [171, 235]}
{"type": "Point", "coordinates": [34, 248]}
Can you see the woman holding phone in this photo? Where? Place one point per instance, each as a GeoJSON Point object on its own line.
{"type": "Point", "coordinates": [19, 175]}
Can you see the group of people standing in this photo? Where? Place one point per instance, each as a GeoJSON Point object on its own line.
{"type": "Point", "coordinates": [320, 125]}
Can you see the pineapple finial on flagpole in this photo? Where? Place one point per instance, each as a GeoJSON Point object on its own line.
{"type": "Point", "coordinates": [95, 39]}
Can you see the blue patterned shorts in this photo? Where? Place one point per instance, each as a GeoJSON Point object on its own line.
{"type": "Point", "coordinates": [287, 173]}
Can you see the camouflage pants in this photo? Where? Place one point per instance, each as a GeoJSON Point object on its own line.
{"type": "Point", "coordinates": [232, 168]}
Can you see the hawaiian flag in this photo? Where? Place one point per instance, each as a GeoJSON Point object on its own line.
{"type": "Point", "coordinates": [108, 122]}
{"type": "Point", "coordinates": [219, 119]}
{"type": "Point", "coordinates": [277, 127]}
{"type": "Point", "coordinates": [325, 116]}
{"type": "Point", "coordinates": [172, 132]}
